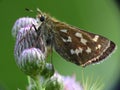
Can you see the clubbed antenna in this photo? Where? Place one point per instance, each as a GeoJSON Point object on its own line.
{"type": "Point", "coordinates": [29, 10]}
{"type": "Point", "coordinates": [39, 11]}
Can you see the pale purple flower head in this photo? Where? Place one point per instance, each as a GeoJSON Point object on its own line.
{"type": "Point", "coordinates": [27, 38]}
{"type": "Point", "coordinates": [31, 61]}
{"type": "Point", "coordinates": [68, 83]}
{"type": "Point", "coordinates": [22, 23]}
{"type": "Point", "coordinates": [71, 84]}
{"type": "Point", "coordinates": [30, 50]}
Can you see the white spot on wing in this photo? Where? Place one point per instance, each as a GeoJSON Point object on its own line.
{"type": "Point", "coordinates": [80, 50]}
{"type": "Point", "coordinates": [88, 50]}
{"type": "Point", "coordinates": [64, 40]}
{"type": "Point", "coordinates": [72, 51]}
{"type": "Point", "coordinates": [78, 35]}
{"type": "Point", "coordinates": [63, 30]}
{"type": "Point", "coordinates": [67, 40]}
{"type": "Point", "coordinates": [82, 40]}
{"type": "Point", "coordinates": [95, 38]}
{"type": "Point", "coordinates": [76, 51]}
{"type": "Point", "coordinates": [95, 58]}
{"type": "Point", "coordinates": [98, 46]}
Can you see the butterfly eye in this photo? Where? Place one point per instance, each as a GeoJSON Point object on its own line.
{"type": "Point", "coordinates": [42, 18]}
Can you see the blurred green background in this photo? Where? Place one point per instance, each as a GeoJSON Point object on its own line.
{"type": "Point", "coordinates": [97, 16]}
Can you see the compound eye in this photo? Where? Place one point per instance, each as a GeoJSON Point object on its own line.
{"type": "Point", "coordinates": [42, 18]}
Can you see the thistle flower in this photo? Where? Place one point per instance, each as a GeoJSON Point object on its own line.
{"type": "Point", "coordinates": [70, 83]}
{"type": "Point", "coordinates": [42, 80]}
{"type": "Point", "coordinates": [30, 54]}
{"type": "Point", "coordinates": [59, 82]}
{"type": "Point", "coordinates": [27, 38]}
{"type": "Point", "coordinates": [21, 23]}
{"type": "Point", "coordinates": [29, 48]}
{"type": "Point", "coordinates": [32, 61]}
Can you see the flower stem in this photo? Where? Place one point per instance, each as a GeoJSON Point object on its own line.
{"type": "Point", "coordinates": [35, 83]}
{"type": "Point", "coordinates": [38, 83]}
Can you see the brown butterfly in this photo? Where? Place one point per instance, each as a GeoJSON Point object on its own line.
{"type": "Point", "coordinates": [73, 44]}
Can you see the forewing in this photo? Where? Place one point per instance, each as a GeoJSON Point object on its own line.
{"type": "Point", "coordinates": [80, 47]}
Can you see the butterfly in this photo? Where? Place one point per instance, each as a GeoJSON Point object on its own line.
{"type": "Point", "coordinates": [73, 44]}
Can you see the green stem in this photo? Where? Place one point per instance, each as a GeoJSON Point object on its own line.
{"type": "Point", "coordinates": [29, 80]}
{"type": "Point", "coordinates": [38, 83]}
{"type": "Point", "coordinates": [35, 82]}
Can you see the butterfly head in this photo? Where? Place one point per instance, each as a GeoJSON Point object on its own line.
{"type": "Point", "coordinates": [41, 17]}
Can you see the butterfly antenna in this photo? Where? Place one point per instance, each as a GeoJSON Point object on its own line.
{"type": "Point", "coordinates": [29, 10]}
{"type": "Point", "coordinates": [39, 11]}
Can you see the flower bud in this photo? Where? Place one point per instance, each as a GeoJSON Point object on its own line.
{"type": "Point", "coordinates": [55, 82]}
{"type": "Point", "coordinates": [27, 38]}
{"type": "Point", "coordinates": [30, 50]}
{"type": "Point", "coordinates": [48, 71]}
{"type": "Point", "coordinates": [31, 61]}
{"type": "Point", "coordinates": [21, 23]}
{"type": "Point", "coordinates": [58, 82]}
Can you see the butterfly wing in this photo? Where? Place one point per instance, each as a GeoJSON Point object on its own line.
{"type": "Point", "coordinates": [80, 47]}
